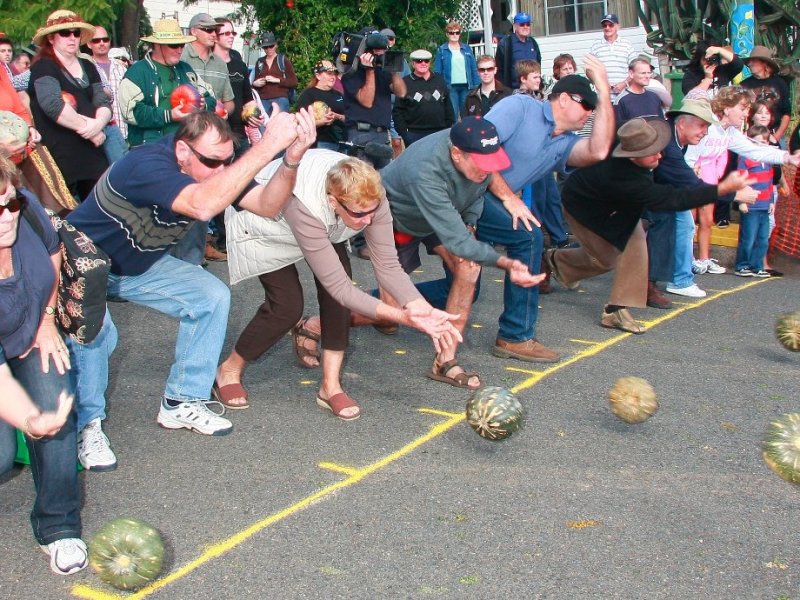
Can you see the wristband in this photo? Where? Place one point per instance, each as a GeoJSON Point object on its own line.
{"type": "Point", "coordinates": [289, 165]}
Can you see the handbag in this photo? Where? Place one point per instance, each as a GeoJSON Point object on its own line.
{"type": "Point", "coordinates": [42, 176]}
{"type": "Point", "coordinates": [83, 280]}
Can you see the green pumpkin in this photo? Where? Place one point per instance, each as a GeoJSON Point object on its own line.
{"type": "Point", "coordinates": [632, 399]}
{"type": "Point", "coordinates": [787, 328]}
{"type": "Point", "coordinates": [127, 553]}
{"type": "Point", "coordinates": [782, 447]}
{"type": "Point", "coordinates": [494, 413]}
{"type": "Point", "coordinates": [12, 128]}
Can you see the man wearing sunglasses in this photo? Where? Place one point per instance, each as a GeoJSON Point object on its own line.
{"type": "Point", "coordinates": [616, 54]}
{"type": "Point", "coordinates": [144, 204]}
{"type": "Point", "coordinates": [199, 54]}
{"type": "Point", "coordinates": [517, 46]}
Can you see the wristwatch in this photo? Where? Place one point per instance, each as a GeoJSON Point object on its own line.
{"type": "Point", "coordinates": [50, 310]}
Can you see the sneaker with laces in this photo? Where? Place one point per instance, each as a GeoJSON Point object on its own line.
{"type": "Point", "coordinates": [762, 274]}
{"type": "Point", "coordinates": [94, 450]}
{"type": "Point", "coordinates": [690, 291]}
{"type": "Point", "coordinates": [699, 267]}
{"type": "Point", "coordinates": [67, 556]}
{"type": "Point", "coordinates": [195, 416]}
{"type": "Point", "coordinates": [743, 272]}
{"type": "Point", "coordinates": [714, 268]}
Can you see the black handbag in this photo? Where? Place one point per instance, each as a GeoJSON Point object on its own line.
{"type": "Point", "coordinates": [83, 280]}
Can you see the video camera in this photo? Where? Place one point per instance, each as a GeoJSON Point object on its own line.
{"type": "Point", "coordinates": [347, 47]}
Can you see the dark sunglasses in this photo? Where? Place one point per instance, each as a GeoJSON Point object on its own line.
{"type": "Point", "coordinates": [208, 29]}
{"type": "Point", "coordinates": [175, 46]}
{"type": "Point", "coordinates": [270, 46]}
{"type": "Point", "coordinates": [65, 33]}
{"type": "Point", "coordinates": [105, 40]}
{"type": "Point", "coordinates": [357, 215]}
{"type": "Point", "coordinates": [453, 33]}
{"type": "Point", "coordinates": [486, 69]}
{"type": "Point", "coordinates": [584, 104]}
{"type": "Point", "coordinates": [14, 204]}
{"type": "Point", "coordinates": [421, 60]}
{"type": "Point", "coordinates": [233, 33]}
{"type": "Point", "coordinates": [212, 163]}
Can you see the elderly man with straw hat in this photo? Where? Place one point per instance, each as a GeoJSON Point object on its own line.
{"type": "Point", "coordinates": [603, 205]}
{"type": "Point", "coordinates": [144, 94]}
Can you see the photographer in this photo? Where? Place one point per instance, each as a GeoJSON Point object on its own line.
{"type": "Point", "coordinates": [367, 95]}
{"type": "Point", "coordinates": [711, 68]}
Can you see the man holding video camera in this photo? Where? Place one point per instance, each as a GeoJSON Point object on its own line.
{"type": "Point", "coordinates": [368, 96]}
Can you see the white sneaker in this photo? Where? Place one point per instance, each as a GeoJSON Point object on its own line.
{"type": "Point", "coordinates": [690, 291]}
{"type": "Point", "coordinates": [94, 450]}
{"type": "Point", "coordinates": [714, 268]}
{"type": "Point", "coordinates": [195, 416]}
{"type": "Point", "coordinates": [699, 267]}
{"type": "Point", "coordinates": [67, 556]}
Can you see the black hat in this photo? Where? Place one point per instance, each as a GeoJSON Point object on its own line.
{"type": "Point", "coordinates": [577, 84]}
{"type": "Point", "coordinates": [478, 138]}
{"type": "Point", "coordinates": [268, 39]}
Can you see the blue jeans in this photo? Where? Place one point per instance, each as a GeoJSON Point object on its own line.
{"type": "Point", "coordinates": [660, 244]}
{"type": "Point", "coordinates": [92, 375]}
{"type": "Point", "coordinates": [458, 97]}
{"type": "Point", "coordinates": [115, 146]}
{"type": "Point", "coordinates": [753, 240]}
{"type": "Point", "coordinates": [520, 305]}
{"type": "Point", "coordinates": [436, 291]}
{"type": "Point", "coordinates": [682, 275]}
{"type": "Point", "coordinates": [283, 104]}
{"type": "Point", "coordinates": [547, 208]}
{"type": "Point", "coordinates": [201, 302]}
{"type": "Point", "coordinates": [192, 246]}
{"type": "Point", "coordinates": [56, 512]}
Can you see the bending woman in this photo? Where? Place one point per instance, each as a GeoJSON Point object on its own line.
{"type": "Point", "coordinates": [334, 199]}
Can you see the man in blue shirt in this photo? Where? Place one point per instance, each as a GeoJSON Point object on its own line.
{"type": "Point", "coordinates": [517, 46]}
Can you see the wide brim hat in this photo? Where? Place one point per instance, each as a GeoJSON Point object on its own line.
{"type": "Point", "coordinates": [765, 54]}
{"type": "Point", "coordinates": [642, 137]}
{"type": "Point", "coordinates": [62, 20]}
{"type": "Point", "coordinates": [697, 107]}
{"type": "Point", "coordinates": [168, 31]}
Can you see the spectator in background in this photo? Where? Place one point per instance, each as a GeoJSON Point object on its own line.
{"type": "Point", "coordinates": [112, 72]}
{"type": "Point", "coordinates": [120, 61]}
{"type": "Point", "coordinates": [456, 63]}
{"type": "Point", "coordinates": [615, 53]}
{"type": "Point", "coordinates": [20, 63]}
{"type": "Point", "coordinates": [769, 88]}
{"type": "Point", "coordinates": [6, 50]}
{"type": "Point", "coordinates": [330, 122]}
{"type": "Point", "coordinates": [273, 76]}
{"type": "Point", "coordinates": [529, 74]}
{"type": "Point", "coordinates": [426, 107]}
{"type": "Point", "coordinates": [396, 140]}
{"type": "Point", "coordinates": [199, 54]}
{"type": "Point", "coordinates": [515, 47]}
{"type": "Point", "coordinates": [482, 97]}
{"type": "Point", "coordinates": [711, 68]}
{"type": "Point", "coordinates": [636, 100]}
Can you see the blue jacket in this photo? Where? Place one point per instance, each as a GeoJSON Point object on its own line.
{"type": "Point", "coordinates": [443, 61]}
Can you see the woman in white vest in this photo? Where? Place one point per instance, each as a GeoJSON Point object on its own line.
{"type": "Point", "coordinates": [334, 199]}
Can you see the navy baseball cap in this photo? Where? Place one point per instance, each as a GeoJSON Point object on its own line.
{"type": "Point", "coordinates": [611, 17]}
{"type": "Point", "coordinates": [478, 138]}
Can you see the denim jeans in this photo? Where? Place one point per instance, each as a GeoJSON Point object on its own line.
{"type": "Point", "coordinates": [283, 104]}
{"type": "Point", "coordinates": [436, 291]}
{"type": "Point", "coordinates": [660, 244]}
{"type": "Point", "coordinates": [753, 240]}
{"type": "Point", "coordinates": [92, 375]}
{"type": "Point", "coordinates": [682, 275]}
{"type": "Point", "coordinates": [192, 246]}
{"type": "Point", "coordinates": [201, 302]}
{"type": "Point", "coordinates": [56, 511]}
{"type": "Point", "coordinates": [547, 208]}
{"type": "Point", "coordinates": [115, 146]}
{"type": "Point", "coordinates": [458, 97]}
{"type": "Point", "coordinates": [520, 305]}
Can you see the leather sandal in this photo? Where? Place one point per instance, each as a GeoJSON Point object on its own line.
{"type": "Point", "coordinates": [226, 393]}
{"type": "Point", "coordinates": [299, 334]}
{"type": "Point", "coordinates": [461, 380]}
{"type": "Point", "coordinates": [337, 403]}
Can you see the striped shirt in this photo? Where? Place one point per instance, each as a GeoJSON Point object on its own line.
{"type": "Point", "coordinates": [616, 57]}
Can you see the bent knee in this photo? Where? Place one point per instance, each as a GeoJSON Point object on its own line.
{"type": "Point", "coordinates": [467, 270]}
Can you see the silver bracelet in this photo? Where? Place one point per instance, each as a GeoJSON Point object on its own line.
{"type": "Point", "coordinates": [289, 165]}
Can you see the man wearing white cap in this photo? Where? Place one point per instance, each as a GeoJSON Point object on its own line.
{"type": "Point", "coordinates": [426, 107]}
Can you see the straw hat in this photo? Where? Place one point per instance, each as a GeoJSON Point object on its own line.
{"type": "Point", "coordinates": [168, 31]}
{"type": "Point", "coordinates": [765, 54]}
{"type": "Point", "coordinates": [642, 137]}
{"type": "Point", "coordinates": [62, 20]}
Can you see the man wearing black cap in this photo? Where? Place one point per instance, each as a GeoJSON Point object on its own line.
{"type": "Point", "coordinates": [435, 191]}
{"type": "Point", "coordinates": [516, 46]}
{"type": "Point", "coordinates": [615, 53]}
{"type": "Point", "coordinates": [603, 205]}
{"type": "Point", "coordinates": [368, 96]}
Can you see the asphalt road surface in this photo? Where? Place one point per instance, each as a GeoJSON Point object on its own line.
{"type": "Point", "coordinates": [408, 502]}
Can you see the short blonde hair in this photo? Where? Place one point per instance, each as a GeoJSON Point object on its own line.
{"type": "Point", "coordinates": [355, 183]}
{"type": "Point", "coordinates": [730, 96]}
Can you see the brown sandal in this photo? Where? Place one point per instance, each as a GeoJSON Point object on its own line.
{"type": "Point", "coordinates": [460, 381]}
{"type": "Point", "coordinates": [299, 335]}
{"type": "Point", "coordinates": [224, 394]}
{"type": "Point", "coordinates": [337, 403]}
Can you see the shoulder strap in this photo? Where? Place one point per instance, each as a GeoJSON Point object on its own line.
{"type": "Point", "coordinates": [282, 63]}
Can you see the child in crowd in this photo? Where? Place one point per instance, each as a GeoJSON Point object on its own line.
{"type": "Point", "coordinates": [529, 73]}
{"type": "Point", "coordinates": [754, 224]}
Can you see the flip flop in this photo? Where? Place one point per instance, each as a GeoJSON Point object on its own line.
{"type": "Point", "coordinates": [337, 403]}
{"type": "Point", "coordinates": [226, 393]}
{"type": "Point", "coordinates": [301, 352]}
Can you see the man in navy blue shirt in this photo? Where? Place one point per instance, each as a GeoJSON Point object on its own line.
{"type": "Point", "coordinates": [515, 47]}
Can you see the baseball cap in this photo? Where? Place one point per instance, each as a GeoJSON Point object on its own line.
{"type": "Point", "coordinates": [522, 17]}
{"type": "Point", "coordinates": [610, 17]}
{"type": "Point", "coordinates": [202, 20]}
{"type": "Point", "coordinates": [576, 84]}
{"type": "Point", "coordinates": [478, 138]}
{"type": "Point", "coordinates": [388, 33]}
{"type": "Point", "coordinates": [268, 39]}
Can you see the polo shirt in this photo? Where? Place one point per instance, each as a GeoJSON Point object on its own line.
{"type": "Point", "coordinates": [616, 57]}
{"type": "Point", "coordinates": [214, 71]}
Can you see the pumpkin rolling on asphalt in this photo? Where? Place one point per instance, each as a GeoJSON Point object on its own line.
{"type": "Point", "coordinates": [127, 553]}
{"type": "Point", "coordinates": [782, 447]}
{"type": "Point", "coordinates": [494, 413]}
{"type": "Point", "coordinates": [787, 329]}
{"type": "Point", "coordinates": [632, 399]}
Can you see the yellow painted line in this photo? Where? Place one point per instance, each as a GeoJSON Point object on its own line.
{"type": "Point", "coordinates": [337, 468]}
{"type": "Point", "coordinates": [215, 550]}
{"type": "Point", "coordinates": [528, 371]}
{"type": "Point", "coordinates": [441, 413]}
{"type": "Point", "coordinates": [587, 342]}
{"type": "Point", "coordinates": [600, 346]}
